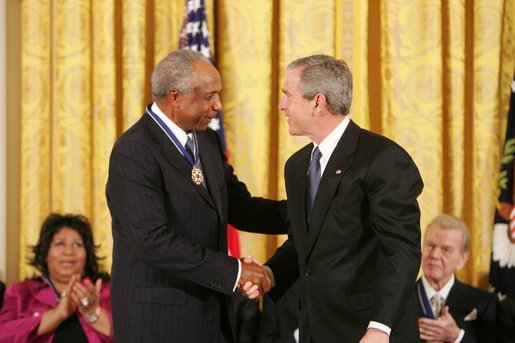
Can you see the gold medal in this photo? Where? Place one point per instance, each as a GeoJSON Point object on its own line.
{"type": "Point", "coordinates": [196, 175]}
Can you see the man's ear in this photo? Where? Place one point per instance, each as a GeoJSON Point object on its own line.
{"type": "Point", "coordinates": [464, 256]}
{"type": "Point", "coordinates": [173, 95]}
{"type": "Point", "coordinates": [319, 103]}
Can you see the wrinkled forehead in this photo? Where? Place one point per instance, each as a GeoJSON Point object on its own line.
{"type": "Point", "coordinates": [443, 236]}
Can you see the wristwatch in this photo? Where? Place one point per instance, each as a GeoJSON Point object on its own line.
{"type": "Point", "coordinates": [92, 317]}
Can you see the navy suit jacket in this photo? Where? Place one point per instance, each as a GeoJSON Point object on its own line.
{"type": "Point", "coordinates": [359, 256]}
{"type": "Point", "coordinates": [171, 275]}
{"type": "Point", "coordinates": [464, 299]}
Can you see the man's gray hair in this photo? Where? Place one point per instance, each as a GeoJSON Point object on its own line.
{"type": "Point", "coordinates": [176, 71]}
{"type": "Point", "coordinates": [323, 74]}
{"type": "Point", "coordinates": [448, 222]}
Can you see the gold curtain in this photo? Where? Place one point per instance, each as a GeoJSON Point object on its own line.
{"type": "Point", "coordinates": [432, 75]}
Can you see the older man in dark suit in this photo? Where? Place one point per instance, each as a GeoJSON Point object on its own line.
{"type": "Point", "coordinates": [352, 201]}
{"type": "Point", "coordinates": [449, 310]}
{"type": "Point", "coordinates": [171, 194]}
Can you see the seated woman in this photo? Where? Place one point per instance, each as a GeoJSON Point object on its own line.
{"type": "Point", "coordinates": [70, 301]}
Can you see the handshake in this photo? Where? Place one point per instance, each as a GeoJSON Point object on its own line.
{"type": "Point", "coordinates": [254, 279]}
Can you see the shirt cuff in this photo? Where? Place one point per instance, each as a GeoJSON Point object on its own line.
{"type": "Point", "coordinates": [379, 326]}
{"type": "Point", "coordinates": [270, 274]}
{"type": "Point", "coordinates": [239, 274]}
{"type": "Point", "coordinates": [460, 336]}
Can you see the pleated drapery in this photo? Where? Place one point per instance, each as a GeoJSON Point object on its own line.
{"type": "Point", "coordinates": [432, 75]}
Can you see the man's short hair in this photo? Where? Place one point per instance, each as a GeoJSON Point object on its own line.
{"type": "Point", "coordinates": [323, 74]}
{"type": "Point", "coordinates": [176, 71]}
{"type": "Point", "coordinates": [448, 222]}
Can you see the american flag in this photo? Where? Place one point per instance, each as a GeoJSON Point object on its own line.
{"type": "Point", "coordinates": [195, 36]}
{"type": "Point", "coordinates": [502, 266]}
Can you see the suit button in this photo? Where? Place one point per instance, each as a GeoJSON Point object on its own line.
{"type": "Point", "coordinates": [308, 272]}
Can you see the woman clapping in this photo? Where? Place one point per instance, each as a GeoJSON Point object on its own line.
{"type": "Point", "coordinates": [69, 301]}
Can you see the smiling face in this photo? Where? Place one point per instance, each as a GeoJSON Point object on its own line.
{"type": "Point", "coordinates": [442, 255]}
{"type": "Point", "coordinates": [66, 256]}
{"type": "Point", "coordinates": [297, 109]}
{"type": "Point", "coordinates": [194, 110]}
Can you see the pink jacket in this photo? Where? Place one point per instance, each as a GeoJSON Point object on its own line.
{"type": "Point", "coordinates": [27, 301]}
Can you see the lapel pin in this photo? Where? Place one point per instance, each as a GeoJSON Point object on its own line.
{"type": "Point", "coordinates": [338, 172]}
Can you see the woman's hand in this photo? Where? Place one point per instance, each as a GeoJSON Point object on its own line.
{"type": "Point", "coordinates": [65, 308]}
{"type": "Point", "coordinates": [86, 295]}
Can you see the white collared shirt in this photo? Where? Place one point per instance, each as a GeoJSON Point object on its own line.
{"type": "Point", "coordinates": [181, 135]}
{"type": "Point", "coordinates": [329, 143]}
{"type": "Point", "coordinates": [444, 291]}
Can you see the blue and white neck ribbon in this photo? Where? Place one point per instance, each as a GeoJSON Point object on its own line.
{"type": "Point", "coordinates": [426, 305]}
{"type": "Point", "coordinates": [196, 172]}
{"type": "Point", "coordinates": [174, 139]}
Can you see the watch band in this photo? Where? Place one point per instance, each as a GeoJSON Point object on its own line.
{"type": "Point", "coordinates": [92, 317]}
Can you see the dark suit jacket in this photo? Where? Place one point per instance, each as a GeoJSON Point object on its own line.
{"type": "Point", "coordinates": [359, 256]}
{"type": "Point", "coordinates": [506, 320]}
{"type": "Point", "coordinates": [280, 318]}
{"type": "Point", "coordinates": [171, 275]}
{"type": "Point", "coordinates": [462, 300]}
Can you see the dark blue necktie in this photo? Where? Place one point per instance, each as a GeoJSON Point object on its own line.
{"type": "Point", "coordinates": [314, 176]}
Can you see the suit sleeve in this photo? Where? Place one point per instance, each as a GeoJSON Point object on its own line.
{"type": "Point", "coordinates": [284, 263]}
{"type": "Point", "coordinates": [487, 322]}
{"type": "Point", "coordinates": [248, 213]}
{"type": "Point", "coordinates": [393, 184]}
{"type": "Point", "coordinates": [505, 323]}
{"type": "Point", "coordinates": [137, 201]}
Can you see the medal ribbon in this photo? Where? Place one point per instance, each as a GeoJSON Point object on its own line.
{"type": "Point", "coordinates": [426, 305]}
{"type": "Point", "coordinates": [169, 133]}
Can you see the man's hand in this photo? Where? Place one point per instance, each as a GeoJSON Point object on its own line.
{"type": "Point", "coordinates": [442, 329]}
{"type": "Point", "coordinates": [375, 336]}
{"type": "Point", "coordinates": [254, 280]}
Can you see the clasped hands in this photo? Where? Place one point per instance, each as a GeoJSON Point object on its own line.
{"type": "Point", "coordinates": [254, 279]}
{"type": "Point", "coordinates": [82, 296]}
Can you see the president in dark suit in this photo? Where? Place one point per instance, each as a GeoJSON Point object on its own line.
{"type": "Point", "coordinates": [171, 194]}
{"type": "Point", "coordinates": [449, 310]}
{"type": "Point", "coordinates": [352, 201]}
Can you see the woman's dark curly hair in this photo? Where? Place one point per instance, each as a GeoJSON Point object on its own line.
{"type": "Point", "coordinates": [52, 225]}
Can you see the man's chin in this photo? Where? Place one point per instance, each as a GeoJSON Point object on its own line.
{"type": "Point", "coordinates": [201, 127]}
{"type": "Point", "coordinates": [292, 131]}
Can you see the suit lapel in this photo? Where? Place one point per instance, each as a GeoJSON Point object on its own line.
{"type": "Point", "coordinates": [171, 154]}
{"type": "Point", "coordinates": [210, 159]}
{"type": "Point", "coordinates": [336, 168]}
{"type": "Point", "coordinates": [458, 301]}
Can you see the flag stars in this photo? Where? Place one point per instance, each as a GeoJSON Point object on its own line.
{"type": "Point", "coordinates": [205, 32]}
{"type": "Point", "coordinates": [195, 28]}
{"type": "Point", "coordinates": [193, 5]}
{"type": "Point", "coordinates": [205, 51]}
